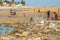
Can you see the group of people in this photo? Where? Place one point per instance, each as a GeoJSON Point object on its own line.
{"type": "Point", "coordinates": [49, 17]}
{"type": "Point", "coordinates": [12, 12]}
{"type": "Point", "coordinates": [55, 17]}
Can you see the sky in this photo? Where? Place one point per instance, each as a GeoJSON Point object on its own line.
{"type": "Point", "coordinates": [42, 2]}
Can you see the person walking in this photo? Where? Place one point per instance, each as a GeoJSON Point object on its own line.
{"type": "Point", "coordinates": [31, 19]}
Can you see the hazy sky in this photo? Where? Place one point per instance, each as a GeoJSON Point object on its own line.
{"type": "Point", "coordinates": [42, 2]}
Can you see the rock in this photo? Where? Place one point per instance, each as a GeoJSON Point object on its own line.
{"type": "Point", "coordinates": [38, 38]}
{"type": "Point", "coordinates": [25, 33]}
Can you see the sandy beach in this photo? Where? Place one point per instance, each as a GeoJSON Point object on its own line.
{"type": "Point", "coordinates": [39, 29]}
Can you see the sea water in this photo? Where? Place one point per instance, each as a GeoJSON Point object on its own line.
{"type": "Point", "coordinates": [6, 10]}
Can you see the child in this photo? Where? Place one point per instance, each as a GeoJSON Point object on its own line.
{"type": "Point", "coordinates": [31, 20]}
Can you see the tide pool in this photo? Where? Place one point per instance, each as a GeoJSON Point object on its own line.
{"type": "Point", "coordinates": [4, 29]}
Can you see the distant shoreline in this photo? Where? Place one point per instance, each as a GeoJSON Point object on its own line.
{"type": "Point", "coordinates": [31, 9]}
{"type": "Point", "coordinates": [27, 7]}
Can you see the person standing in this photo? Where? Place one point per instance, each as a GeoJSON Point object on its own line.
{"type": "Point", "coordinates": [56, 15]}
{"type": "Point", "coordinates": [10, 10]}
{"type": "Point", "coordinates": [48, 15]}
{"type": "Point", "coordinates": [14, 12]}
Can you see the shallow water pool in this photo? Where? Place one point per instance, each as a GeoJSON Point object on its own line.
{"type": "Point", "coordinates": [4, 29]}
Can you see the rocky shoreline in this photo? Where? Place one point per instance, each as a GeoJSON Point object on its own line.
{"type": "Point", "coordinates": [46, 30]}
